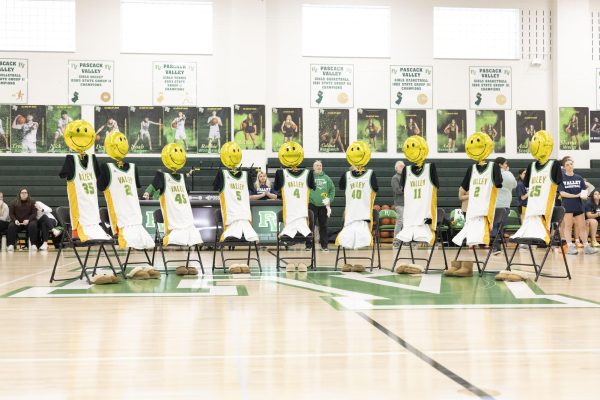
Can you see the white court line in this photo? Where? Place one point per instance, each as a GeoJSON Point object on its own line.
{"type": "Point", "coordinates": [514, 351]}
{"type": "Point", "coordinates": [34, 274]}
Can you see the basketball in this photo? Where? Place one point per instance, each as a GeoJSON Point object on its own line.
{"type": "Point", "coordinates": [174, 124]}
{"type": "Point", "coordinates": [393, 221]}
{"type": "Point", "coordinates": [386, 221]}
{"type": "Point", "coordinates": [385, 234]}
{"type": "Point", "coordinates": [20, 119]}
{"type": "Point", "coordinates": [214, 121]}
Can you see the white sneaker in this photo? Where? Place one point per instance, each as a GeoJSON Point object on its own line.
{"type": "Point", "coordinates": [290, 267]}
{"type": "Point", "coordinates": [10, 248]}
{"type": "Point", "coordinates": [33, 248]}
{"type": "Point", "coordinates": [44, 247]}
{"type": "Point", "coordinates": [589, 250]}
{"type": "Point", "coordinates": [572, 249]}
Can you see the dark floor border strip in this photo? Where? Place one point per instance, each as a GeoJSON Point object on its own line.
{"type": "Point", "coordinates": [424, 357]}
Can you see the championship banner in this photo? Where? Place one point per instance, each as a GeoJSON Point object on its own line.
{"type": "Point", "coordinates": [214, 125]}
{"type": "Point", "coordinates": [57, 119]}
{"type": "Point", "coordinates": [574, 128]}
{"type": "Point", "coordinates": [333, 130]}
{"type": "Point", "coordinates": [27, 129]}
{"type": "Point", "coordinates": [451, 131]}
{"type": "Point", "coordinates": [371, 128]}
{"type": "Point", "coordinates": [108, 119]}
{"type": "Point", "coordinates": [181, 126]}
{"type": "Point", "coordinates": [411, 86]}
{"type": "Point", "coordinates": [145, 129]}
{"type": "Point", "coordinates": [490, 88]}
{"type": "Point", "coordinates": [409, 123]}
{"type": "Point", "coordinates": [332, 85]}
{"type": "Point", "coordinates": [594, 128]}
{"type": "Point", "coordinates": [5, 123]}
{"type": "Point", "coordinates": [528, 123]}
{"type": "Point", "coordinates": [286, 126]}
{"type": "Point", "coordinates": [13, 81]}
{"type": "Point", "coordinates": [492, 123]}
{"type": "Point", "coordinates": [91, 82]}
{"type": "Point", "coordinates": [249, 126]}
{"type": "Point", "coordinates": [173, 83]}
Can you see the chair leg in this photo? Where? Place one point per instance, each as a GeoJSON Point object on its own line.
{"type": "Point", "coordinates": [257, 257]}
{"type": "Point", "coordinates": [444, 251]}
{"type": "Point", "coordinates": [378, 244]}
{"type": "Point", "coordinates": [110, 264]}
{"type": "Point", "coordinates": [337, 257]}
{"type": "Point", "coordinates": [430, 257]}
{"type": "Point", "coordinates": [114, 249]}
{"type": "Point", "coordinates": [397, 255]}
{"type": "Point", "coordinates": [372, 255]}
{"type": "Point", "coordinates": [199, 259]}
{"type": "Point", "coordinates": [87, 253]}
{"type": "Point", "coordinates": [127, 257]}
{"type": "Point", "coordinates": [412, 254]}
{"type": "Point", "coordinates": [56, 264]}
{"type": "Point", "coordinates": [223, 259]}
{"type": "Point", "coordinates": [476, 259]}
{"type": "Point", "coordinates": [249, 253]}
{"type": "Point", "coordinates": [162, 252]}
{"type": "Point", "coordinates": [187, 260]}
{"type": "Point", "coordinates": [459, 250]}
{"type": "Point", "coordinates": [277, 256]}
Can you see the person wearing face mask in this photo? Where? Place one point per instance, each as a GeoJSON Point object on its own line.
{"type": "Point", "coordinates": [320, 200]}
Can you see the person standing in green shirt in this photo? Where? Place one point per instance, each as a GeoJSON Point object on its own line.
{"type": "Point", "coordinates": [320, 201]}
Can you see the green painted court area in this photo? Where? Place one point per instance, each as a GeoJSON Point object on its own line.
{"type": "Point", "coordinates": [381, 290]}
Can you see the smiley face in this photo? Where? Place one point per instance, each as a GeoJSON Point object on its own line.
{"type": "Point", "coordinates": [416, 149]}
{"type": "Point", "coordinates": [479, 146]}
{"type": "Point", "coordinates": [231, 155]}
{"type": "Point", "coordinates": [358, 154]}
{"type": "Point", "coordinates": [116, 146]}
{"type": "Point", "coordinates": [291, 154]}
{"type": "Point", "coordinates": [173, 156]}
{"type": "Point", "coordinates": [79, 135]}
{"type": "Point", "coordinates": [541, 146]}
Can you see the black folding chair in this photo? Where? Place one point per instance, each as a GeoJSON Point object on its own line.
{"type": "Point", "coordinates": [298, 239]}
{"type": "Point", "coordinates": [231, 243]}
{"type": "Point", "coordinates": [158, 243]}
{"type": "Point", "coordinates": [558, 213]}
{"type": "Point", "coordinates": [375, 232]}
{"type": "Point", "coordinates": [500, 218]}
{"type": "Point", "coordinates": [105, 220]}
{"type": "Point", "coordinates": [67, 241]}
{"type": "Point", "coordinates": [441, 219]}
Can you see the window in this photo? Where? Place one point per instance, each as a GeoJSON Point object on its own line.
{"type": "Point", "coordinates": [37, 25]}
{"type": "Point", "coordinates": [345, 31]}
{"type": "Point", "coordinates": [166, 26]}
{"type": "Point", "coordinates": [477, 33]}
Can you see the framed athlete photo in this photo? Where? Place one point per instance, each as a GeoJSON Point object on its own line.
{"type": "Point", "coordinates": [249, 126]}
{"type": "Point", "coordinates": [528, 123]}
{"type": "Point", "coordinates": [181, 124]}
{"type": "Point", "coordinates": [334, 130]}
{"type": "Point", "coordinates": [5, 123]}
{"type": "Point", "coordinates": [108, 119]}
{"type": "Point", "coordinates": [493, 123]}
{"type": "Point", "coordinates": [57, 119]}
{"type": "Point", "coordinates": [409, 123]}
{"type": "Point", "coordinates": [27, 129]}
{"type": "Point", "coordinates": [371, 128]}
{"type": "Point", "coordinates": [574, 128]}
{"type": "Point", "coordinates": [145, 133]}
{"type": "Point", "coordinates": [451, 131]}
{"type": "Point", "coordinates": [286, 126]}
{"type": "Point", "coordinates": [214, 125]}
{"type": "Point", "coordinates": [594, 127]}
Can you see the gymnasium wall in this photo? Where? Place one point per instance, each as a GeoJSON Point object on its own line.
{"type": "Point", "coordinates": [257, 60]}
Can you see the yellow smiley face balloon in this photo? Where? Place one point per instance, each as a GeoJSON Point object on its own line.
{"type": "Point", "coordinates": [358, 154]}
{"type": "Point", "coordinates": [416, 149]}
{"type": "Point", "coordinates": [79, 135]}
{"type": "Point", "coordinates": [541, 146]}
{"type": "Point", "coordinates": [479, 146]}
{"type": "Point", "coordinates": [291, 154]}
{"type": "Point", "coordinates": [173, 156]}
{"type": "Point", "coordinates": [116, 146]}
{"type": "Point", "coordinates": [231, 155]}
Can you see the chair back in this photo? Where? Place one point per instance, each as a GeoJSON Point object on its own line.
{"type": "Point", "coordinates": [558, 214]}
{"type": "Point", "coordinates": [63, 215]}
{"type": "Point", "coordinates": [500, 217]}
{"type": "Point", "coordinates": [158, 216]}
{"type": "Point", "coordinates": [104, 216]}
{"type": "Point", "coordinates": [442, 218]}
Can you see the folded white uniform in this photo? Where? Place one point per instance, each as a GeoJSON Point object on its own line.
{"type": "Point", "coordinates": [295, 204]}
{"type": "Point", "coordinates": [177, 213]}
{"type": "Point", "coordinates": [358, 216]}
{"type": "Point", "coordinates": [235, 207]}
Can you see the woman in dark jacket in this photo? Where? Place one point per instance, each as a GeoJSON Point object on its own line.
{"type": "Point", "coordinates": [22, 217]}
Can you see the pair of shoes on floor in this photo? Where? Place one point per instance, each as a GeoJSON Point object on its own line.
{"type": "Point", "coordinates": [43, 247]}
{"type": "Point", "coordinates": [512, 276]}
{"type": "Point", "coordinates": [460, 269]}
{"type": "Point", "coordinates": [353, 268]}
{"type": "Point", "coordinates": [409, 269]}
{"type": "Point", "coordinates": [239, 269]}
{"type": "Point", "coordinates": [292, 267]}
{"type": "Point", "coordinates": [145, 273]}
{"type": "Point", "coordinates": [324, 249]}
{"type": "Point", "coordinates": [105, 279]}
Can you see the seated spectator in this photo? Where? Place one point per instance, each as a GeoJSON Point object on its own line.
{"type": "Point", "coordinates": [46, 223]}
{"type": "Point", "coordinates": [4, 215]}
{"type": "Point", "coordinates": [522, 194]}
{"type": "Point", "coordinates": [589, 187]}
{"type": "Point", "coordinates": [592, 213]}
{"type": "Point", "coordinates": [263, 189]}
{"type": "Point", "coordinates": [22, 213]}
{"type": "Point", "coordinates": [151, 193]}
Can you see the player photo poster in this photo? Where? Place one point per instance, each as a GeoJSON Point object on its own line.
{"type": "Point", "coordinates": [5, 123]}
{"type": "Point", "coordinates": [332, 85]}
{"type": "Point", "coordinates": [411, 86]}
{"type": "Point", "coordinates": [108, 119]}
{"type": "Point", "coordinates": [173, 83]}
{"type": "Point", "coordinates": [27, 129]}
{"type": "Point", "coordinates": [57, 119]}
{"type": "Point", "coordinates": [451, 131]}
{"type": "Point", "coordinates": [333, 130]}
{"type": "Point", "coordinates": [371, 127]}
{"type": "Point", "coordinates": [214, 125]}
{"type": "Point", "coordinates": [181, 126]}
{"type": "Point", "coordinates": [91, 82]}
{"type": "Point", "coordinates": [490, 88]}
{"type": "Point", "coordinates": [528, 123]}
{"type": "Point", "coordinates": [594, 127]}
{"type": "Point", "coordinates": [574, 128]}
{"type": "Point", "coordinates": [249, 126]}
{"type": "Point", "coordinates": [145, 129]}
{"type": "Point", "coordinates": [286, 126]}
{"type": "Point", "coordinates": [14, 79]}
{"type": "Point", "coordinates": [409, 123]}
{"type": "Point", "coordinates": [492, 123]}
